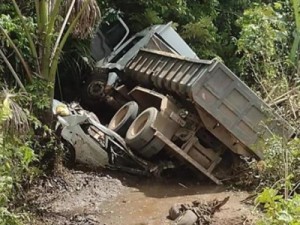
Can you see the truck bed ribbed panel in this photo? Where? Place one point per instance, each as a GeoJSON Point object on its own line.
{"type": "Point", "coordinates": [166, 71]}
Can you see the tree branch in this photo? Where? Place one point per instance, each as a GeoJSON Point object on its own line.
{"type": "Point", "coordinates": [30, 40]}
{"type": "Point", "coordinates": [63, 41]}
{"type": "Point", "coordinates": [12, 71]}
{"type": "Point", "coordinates": [24, 63]}
{"type": "Point", "coordinates": [62, 29]}
{"type": "Point", "coordinates": [45, 48]}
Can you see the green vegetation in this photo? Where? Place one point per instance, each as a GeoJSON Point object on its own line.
{"type": "Point", "coordinates": [32, 37]}
{"type": "Point", "coordinates": [42, 37]}
{"type": "Point", "coordinates": [15, 155]}
{"type": "Point", "coordinates": [279, 182]}
{"type": "Point", "coordinates": [259, 40]}
{"type": "Point", "coordinates": [279, 210]}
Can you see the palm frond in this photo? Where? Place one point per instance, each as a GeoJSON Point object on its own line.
{"type": "Point", "coordinates": [87, 21]}
{"type": "Point", "coordinates": [17, 121]}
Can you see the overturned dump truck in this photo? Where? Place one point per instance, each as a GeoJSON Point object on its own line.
{"type": "Point", "coordinates": [190, 109]}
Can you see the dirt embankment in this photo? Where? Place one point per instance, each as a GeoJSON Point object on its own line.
{"type": "Point", "coordinates": [74, 197]}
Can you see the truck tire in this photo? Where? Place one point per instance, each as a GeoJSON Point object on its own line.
{"type": "Point", "coordinates": [140, 133]}
{"type": "Point", "coordinates": [123, 118]}
{"type": "Point", "coordinates": [152, 148]}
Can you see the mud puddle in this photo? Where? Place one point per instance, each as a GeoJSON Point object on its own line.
{"type": "Point", "coordinates": [88, 198]}
{"type": "Point", "coordinates": [148, 203]}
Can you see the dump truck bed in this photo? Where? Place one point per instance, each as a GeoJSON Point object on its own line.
{"type": "Point", "coordinates": [227, 107]}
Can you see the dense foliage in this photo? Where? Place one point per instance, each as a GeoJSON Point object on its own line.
{"type": "Point", "coordinates": [15, 156]}
{"type": "Point", "coordinates": [32, 37]}
{"type": "Point", "coordinates": [212, 28]}
{"type": "Point", "coordinates": [279, 210]}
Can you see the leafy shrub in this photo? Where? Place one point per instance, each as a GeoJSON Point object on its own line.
{"type": "Point", "coordinates": [280, 201]}
{"type": "Point", "coordinates": [15, 158]}
{"type": "Point", "coordinates": [277, 209]}
{"type": "Point", "coordinates": [264, 48]}
{"type": "Point", "coordinates": [281, 162]}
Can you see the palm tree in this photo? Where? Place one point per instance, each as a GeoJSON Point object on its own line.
{"type": "Point", "coordinates": [47, 42]}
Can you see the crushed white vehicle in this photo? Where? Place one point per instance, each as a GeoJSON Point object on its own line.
{"type": "Point", "coordinates": [91, 143]}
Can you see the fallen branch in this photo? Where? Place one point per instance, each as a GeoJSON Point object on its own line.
{"type": "Point", "coordinates": [218, 204]}
{"type": "Point", "coordinates": [286, 93]}
{"type": "Point", "coordinates": [280, 100]}
{"type": "Point", "coordinates": [292, 108]}
{"type": "Point", "coordinates": [271, 93]}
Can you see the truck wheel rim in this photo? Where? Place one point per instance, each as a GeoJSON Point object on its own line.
{"type": "Point", "coordinates": [139, 124]}
{"type": "Point", "coordinates": [118, 118]}
{"type": "Point", "coordinates": [96, 89]}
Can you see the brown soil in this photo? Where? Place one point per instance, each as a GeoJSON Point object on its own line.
{"type": "Point", "coordinates": [75, 197]}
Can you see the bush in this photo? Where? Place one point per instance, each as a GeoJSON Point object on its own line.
{"type": "Point", "coordinates": [280, 201]}
{"type": "Point", "coordinates": [15, 157]}
{"type": "Point", "coordinates": [277, 209]}
{"type": "Point", "coordinates": [281, 162]}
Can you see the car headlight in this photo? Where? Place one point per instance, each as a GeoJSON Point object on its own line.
{"type": "Point", "coordinates": [62, 110]}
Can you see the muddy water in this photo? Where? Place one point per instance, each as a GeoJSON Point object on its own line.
{"type": "Point", "coordinates": [75, 197]}
{"type": "Point", "coordinates": [148, 202]}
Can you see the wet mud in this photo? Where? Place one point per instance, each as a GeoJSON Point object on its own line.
{"type": "Point", "coordinates": [109, 198]}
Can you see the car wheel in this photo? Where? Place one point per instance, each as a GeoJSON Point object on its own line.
{"type": "Point", "coordinates": [140, 133]}
{"type": "Point", "coordinates": [93, 90]}
{"type": "Point", "coordinates": [69, 155]}
{"type": "Point", "coordinates": [123, 118]}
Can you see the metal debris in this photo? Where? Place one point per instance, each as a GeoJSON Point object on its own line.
{"type": "Point", "coordinates": [195, 213]}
